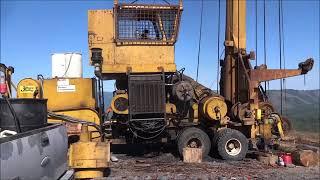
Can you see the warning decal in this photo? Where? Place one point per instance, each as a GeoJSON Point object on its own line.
{"type": "Point", "coordinates": [66, 88]}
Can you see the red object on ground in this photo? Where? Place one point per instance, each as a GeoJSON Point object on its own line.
{"type": "Point", "coordinates": [3, 86]}
{"type": "Point", "coordinates": [287, 158]}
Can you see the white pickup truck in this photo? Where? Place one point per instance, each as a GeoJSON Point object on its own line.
{"type": "Point", "coordinates": [37, 154]}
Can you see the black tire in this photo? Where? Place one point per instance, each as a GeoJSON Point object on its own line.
{"type": "Point", "coordinates": [233, 138]}
{"type": "Point", "coordinates": [214, 148]}
{"type": "Point", "coordinates": [215, 137]}
{"type": "Point", "coordinates": [190, 136]}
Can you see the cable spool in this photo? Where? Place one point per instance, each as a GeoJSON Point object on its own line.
{"type": "Point", "coordinates": [120, 104]}
{"type": "Point", "coordinates": [214, 108]}
{"type": "Point", "coordinates": [183, 91]}
{"type": "Point", "coordinates": [28, 88]}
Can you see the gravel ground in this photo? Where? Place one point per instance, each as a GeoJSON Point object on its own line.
{"type": "Point", "coordinates": [167, 165]}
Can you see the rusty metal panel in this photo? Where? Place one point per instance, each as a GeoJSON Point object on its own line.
{"type": "Point", "coordinates": [261, 75]}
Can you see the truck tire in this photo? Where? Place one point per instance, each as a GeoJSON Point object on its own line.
{"type": "Point", "coordinates": [231, 144]}
{"type": "Point", "coordinates": [196, 138]}
{"type": "Point", "coordinates": [215, 138]}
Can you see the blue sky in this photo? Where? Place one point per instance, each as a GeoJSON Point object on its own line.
{"type": "Point", "coordinates": [32, 30]}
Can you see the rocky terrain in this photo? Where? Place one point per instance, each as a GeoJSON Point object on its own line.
{"type": "Point", "coordinates": [166, 165]}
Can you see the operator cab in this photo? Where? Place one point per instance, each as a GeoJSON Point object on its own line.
{"type": "Point", "coordinates": [133, 38]}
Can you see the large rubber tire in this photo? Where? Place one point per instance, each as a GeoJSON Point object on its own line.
{"type": "Point", "coordinates": [191, 135]}
{"type": "Point", "coordinates": [228, 137]}
{"type": "Point", "coordinates": [215, 138]}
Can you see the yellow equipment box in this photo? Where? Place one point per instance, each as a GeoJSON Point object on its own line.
{"type": "Point", "coordinates": [62, 93]}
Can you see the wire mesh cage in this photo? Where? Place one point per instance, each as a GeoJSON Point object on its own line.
{"type": "Point", "coordinates": [147, 24]}
{"type": "Point", "coordinates": [158, 2]}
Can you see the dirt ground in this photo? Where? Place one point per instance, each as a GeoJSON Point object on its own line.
{"type": "Point", "coordinates": [166, 165]}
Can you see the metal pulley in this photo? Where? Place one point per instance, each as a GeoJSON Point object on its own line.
{"type": "Point", "coordinates": [214, 108]}
{"type": "Point", "coordinates": [120, 104]}
{"type": "Point", "coordinates": [183, 91]}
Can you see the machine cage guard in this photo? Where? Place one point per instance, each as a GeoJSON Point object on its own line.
{"type": "Point", "coordinates": [141, 24]}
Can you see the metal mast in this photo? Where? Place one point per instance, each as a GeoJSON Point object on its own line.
{"type": "Point", "coordinates": [235, 42]}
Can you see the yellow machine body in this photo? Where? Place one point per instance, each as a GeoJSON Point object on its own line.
{"type": "Point", "coordinates": [131, 56]}
{"type": "Point", "coordinates": [74, 97]}
{"type": "Point", "coordinates": [88, 158]}
{"type": "Point", "coordinates": [87, 114]}
{"type": "Point", "coordinates": [265, 130]}
{"type": "Point", "coordinates": [62, 94]}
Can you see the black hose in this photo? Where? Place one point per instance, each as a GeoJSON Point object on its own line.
{"type": "Point", "coordinates": [41, 79]}
{"type": "Point", "coordinates": [74, 120]}
{"type": "Point", "coordinates": [148, 129]}
{"type": "Point", "coordinates": [15, 118]}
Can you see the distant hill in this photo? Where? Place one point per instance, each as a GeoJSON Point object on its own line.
{"type": "Point", "coordinates": [300, 106]}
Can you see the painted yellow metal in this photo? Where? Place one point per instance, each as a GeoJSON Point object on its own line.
{"type": "Point", "coordinates": [27, 87]}
{"type": "Point", "coordinates": [280, 129]}
{"type": "Point", "coordinates": [123, 58]}
{"type": "Point", "coordinates": [265, 130]}
{"type": "Point", "coordinates": [254, 129]}
{"type": "Point", "coordinates": [74, 97]}
{"type": "Point", "coordinates": [86, 114]}
{"type": "Point", "coordinates": [113, 104]}
{"type": "Point", "coordinates": [88, 158]}
{"type": "Point", "coordinates": [239, 23]}
{"type": "Point", "coordinates": [235, 41]}
{"type": "Point", "coordinates": [194, 113]}
{"type": "Point", "coordinates": [170, 108]}
{"type": "Point", "coordinates": [64, 94]}
{"type": "Point", "coordinates": [258, 114]}
{"type": "Point", "coordinates": [214, 108]}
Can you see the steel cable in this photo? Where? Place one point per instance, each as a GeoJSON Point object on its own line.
{"type": "Point", "coordinates": [264, 40]}
{"type": "Point", "coordinates": [218, 55]}
{"type": "Point", "coordinates": [256, 13]}
{"type": "Point", "coordinates": [199, 43]}
{"type": "Point", "coordinates": [280, 54]}
{"type": "Point", "coordinates": [284, 59]}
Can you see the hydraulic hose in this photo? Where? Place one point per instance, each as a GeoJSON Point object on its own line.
{"type": "Point", "coordinates": [15, 118]}
{"type": "Point", "coordinates": [74, 120]}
